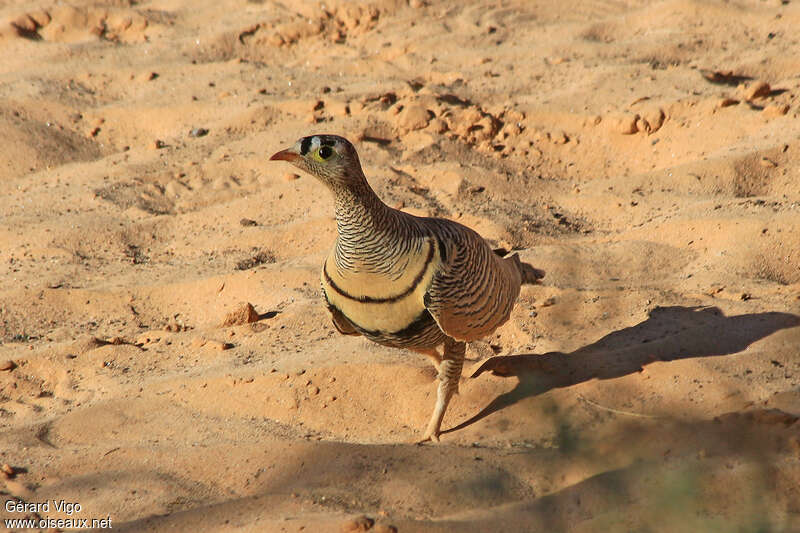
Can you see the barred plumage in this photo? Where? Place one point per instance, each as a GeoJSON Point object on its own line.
{"type": "Point", "coordinates": [406, 281]}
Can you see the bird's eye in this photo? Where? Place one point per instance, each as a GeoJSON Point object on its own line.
{"type": "Point", "coordinates": [325, 152]}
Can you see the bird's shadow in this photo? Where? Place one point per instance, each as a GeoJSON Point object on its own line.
{"type": "Point", "coordinates": [668, 334]}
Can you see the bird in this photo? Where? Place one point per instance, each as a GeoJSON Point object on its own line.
{"type": "Point", "coordinates": [404, 281]}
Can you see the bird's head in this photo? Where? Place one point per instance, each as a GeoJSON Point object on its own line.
{"type": "Point", "coordinates": [330, 158]}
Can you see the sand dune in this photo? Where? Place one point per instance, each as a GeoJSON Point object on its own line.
{"type": "Point", "coordinates": [644, 154]}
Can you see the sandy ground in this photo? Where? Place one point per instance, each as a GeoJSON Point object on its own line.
{"type": "Point", "coordinates": [644, 154]}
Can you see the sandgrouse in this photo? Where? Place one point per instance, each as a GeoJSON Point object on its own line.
{"type": "Point", "coordinates": [407, 281]}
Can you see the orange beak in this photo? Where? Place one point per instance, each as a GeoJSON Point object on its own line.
{"type": "Point", "coordinates": [285, 155]}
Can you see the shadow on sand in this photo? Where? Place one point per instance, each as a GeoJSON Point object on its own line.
{"type": "Point", "coordinates": [669, 333]}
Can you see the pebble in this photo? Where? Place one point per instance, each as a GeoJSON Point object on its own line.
{"type": "Point", "coordinates": [651, 120]}
{"type": "Point", "coordinates": [759, 89]}
{"type": "Point", "coordinates": [25, 23]}
{"type": "Point", "coordinates": [243, 314]}
{"type": "Point", "coordinates": [40, 16]}
{"type": "Point", "coordinates": [8, 365]}
{"type": "Point", "coordinates": [218, 345]}
{"type": "Point", "coordinates": [198, 132]}
{"type": "Point", "coordinates": [548, 302]}
{"type": "Point", "coordinates": [290, 176]}
{"type": "Point", "coordinates": [8, 470]}
{"type": "Point", "coordinates": [775, 110]}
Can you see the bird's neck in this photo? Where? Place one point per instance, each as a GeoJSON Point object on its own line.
{"type": "Point", "coordinates": [364, 224]}
{"type": "Point", "coordinates": [359, 211]}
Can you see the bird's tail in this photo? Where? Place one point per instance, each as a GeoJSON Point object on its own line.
{"type": "Point", "coordinates": [530, 275]}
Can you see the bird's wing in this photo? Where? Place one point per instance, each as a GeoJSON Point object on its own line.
{"type": "Point", "coordinates": [473, 290]}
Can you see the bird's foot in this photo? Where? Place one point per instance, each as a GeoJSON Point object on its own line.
{"type": "Point", "coordinates": [429, 436]}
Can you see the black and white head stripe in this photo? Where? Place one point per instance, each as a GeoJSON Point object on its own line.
{"type": "Point", "coordinates": [311, 143]}
{"type": "Point", "coordinates": [305, 144]}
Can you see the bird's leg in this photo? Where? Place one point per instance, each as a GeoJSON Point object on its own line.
{"type": "Point", "coordinates": [449, 374]}
{"type": "Point", "coordinates": [434, 356]}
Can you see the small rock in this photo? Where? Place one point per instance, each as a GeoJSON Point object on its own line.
{"type": "Point", "coordinates": [8, 365]}
{"type": "Point", "coordinates": [759, 89]}
{"type": "Point", "coordinates": [775, 110]}
{"type": "Point", "coordinates": [8, 470]}
{"type": "Point", "coordinates": [727, 102]}
{"type": "Point", "coordinates": [147, 338]}
{"type": "Point", "coordinates": [548, 302]}
{"type": "Point", "coordinates": [174, 326]}
{"type": "Point", "coordinates": [652, 119]}
{"type": "Point", "coordinates": [218, 345]}
{"type": "Point", "coordinates": [244, 314]}
{"type": "Point", "coordinates": [198, 132]}
{"type": "Point", "coordinates": [40, 16]}
{"type": "Point", "coordinates": [25, 23]}
{"type": "Point", "coordinates": [158, 144]}
{"type": "Point", "coordinates": [290, 176]}
{"type": "Point", "coordinates": [248, 222]}
{"type": "Point", "coordinates": [359, 523]}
